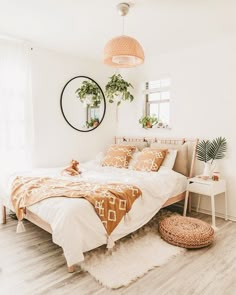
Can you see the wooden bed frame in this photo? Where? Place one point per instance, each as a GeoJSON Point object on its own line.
{"type": "Point", "coordinates": [192, 143]}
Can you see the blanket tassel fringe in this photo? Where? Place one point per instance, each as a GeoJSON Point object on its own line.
{"type": "Point", "coordinates": [110, 242]}
{"type": "Point", "coordinates": [20, 227]}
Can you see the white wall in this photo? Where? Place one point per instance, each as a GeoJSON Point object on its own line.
{"type": "Point", "coordinates": [56, 143]}
{"type": "Point", "coordinates": [203, 101]}
{"type": "Point", "coordinates": [203, 95]}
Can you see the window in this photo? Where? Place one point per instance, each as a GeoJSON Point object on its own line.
{"type": "Point", "coordinates": [16, 125]}
{"type": "Point", "coordinates": [157, 101]}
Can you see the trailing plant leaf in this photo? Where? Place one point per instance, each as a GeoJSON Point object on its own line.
{"type": "Point", "coordinates": [202, 151]}
{"type": "Point", "coordinates": [217, 148]}
{"type": "Point", "coordinates": [117, 89]}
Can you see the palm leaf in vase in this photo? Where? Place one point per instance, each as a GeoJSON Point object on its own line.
{"type": "Point", "coordinates": [203, 151]}
{"type": "Point", "coordinates": [217, 148]}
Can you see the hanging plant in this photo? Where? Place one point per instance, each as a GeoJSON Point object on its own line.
{"type": "Point", "coordinates": [117, 89]}
{"type": "Point", "coordinates": [89, 94]}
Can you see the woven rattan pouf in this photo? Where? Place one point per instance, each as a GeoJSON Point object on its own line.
{"type": "Point", "coordinates": [186, 232]}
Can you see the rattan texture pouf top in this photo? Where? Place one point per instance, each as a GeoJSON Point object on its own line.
{"type": "Point", "coordinates": [186, 232]}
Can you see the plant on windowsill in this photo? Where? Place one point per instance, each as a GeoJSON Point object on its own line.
{"type": "Point", "coordinates": [148, 121]}
{"type": "Point", "coordinates": [92, 123]}
{"type": "Point", "coordinates": [208, 151]}
{"type": "Point", "coordinates": [89, 94]}
{"type": "Point", "coordinates": [117, 90]}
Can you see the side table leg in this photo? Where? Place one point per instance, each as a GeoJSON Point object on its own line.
{"type": "Point", "coordinates": [186, 203]}
{"type": "Point", "coordinates": [190, 203]}
{"type": "Point", "coordinates": [213, 211]}
{"type": "Point", "coordinates": [4, 215]}
{"type": "Point", "coordinates": [226, 207]}
{"type": "Point", "coordinates": [198, 202]}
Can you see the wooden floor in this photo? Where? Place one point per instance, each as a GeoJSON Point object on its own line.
{"type": "Point", "coordinates": [31, 264]}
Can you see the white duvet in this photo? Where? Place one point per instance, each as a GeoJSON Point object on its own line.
{"type": "Point", "coordinates": [74, 222]}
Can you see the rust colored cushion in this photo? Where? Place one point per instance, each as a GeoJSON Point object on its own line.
{"type": "Point", "coordinates": [186, 232]}
{"type": "Point", "coordinates": [150, 159]}
{"type": "Point", "coordinates": [118, 156]}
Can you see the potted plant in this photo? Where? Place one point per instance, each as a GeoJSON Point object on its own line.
{"type": "Point", "coordinates": [92, 123]}
{"type": "Point", "coordinates": [117, 89]}
{"type": "Point", "coordinates": [148, 121]}
{"type": "Point", "coordinates": [89, 94]}
{"type": "Point", "coordinates": [208, 151]}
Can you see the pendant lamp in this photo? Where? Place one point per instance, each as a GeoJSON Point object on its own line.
{"type": "Point", "coordinates": [123, 51]}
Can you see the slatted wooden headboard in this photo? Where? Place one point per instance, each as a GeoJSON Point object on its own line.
{"type": "Point", "coordinates": [192, 144]}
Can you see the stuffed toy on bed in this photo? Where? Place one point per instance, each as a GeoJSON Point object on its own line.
{"type": "Point", "coordinates": [72, 169]}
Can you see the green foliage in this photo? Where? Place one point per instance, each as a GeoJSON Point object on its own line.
{"type": "Point", "coordinates": [202, 150]}
{"type": "Point", "coordinates": [218, 148]}
{"type": "Point", "coordinates": [117, 89]}
{"type": "Point", "coordinates": [92, 123]}
{"type": "Point", "coordinates": [211, 150]}
{"type": "Point", "coordinates": [89, 88]}
{"type": "Point", "coordinates": [148, 121]}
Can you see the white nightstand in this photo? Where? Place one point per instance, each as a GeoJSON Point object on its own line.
{"type": "Point", "coordinates": [207, 188]}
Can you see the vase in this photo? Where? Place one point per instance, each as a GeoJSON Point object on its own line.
{"type": "Point", "coordinates": [207, 170]}
{"type": "Point", "coordinates": [148, 125]}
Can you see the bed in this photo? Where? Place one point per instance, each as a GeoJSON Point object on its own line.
{"type": "Point", "coordinates": [74, 224]}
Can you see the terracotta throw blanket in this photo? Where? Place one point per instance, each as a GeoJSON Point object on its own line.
{"type": "Point", "coordinates": [111, 201]}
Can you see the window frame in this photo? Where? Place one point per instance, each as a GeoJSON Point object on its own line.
{"type": "Point", "coordinates": [148, 91]}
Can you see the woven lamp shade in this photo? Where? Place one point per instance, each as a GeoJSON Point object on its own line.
{"type": "Point", "coordinates": [123, 52]}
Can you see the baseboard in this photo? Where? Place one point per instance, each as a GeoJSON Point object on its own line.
{"type": "Point", "coordinates": [179, 207]}
{"type": "Point", "coordinates": [208, 212]}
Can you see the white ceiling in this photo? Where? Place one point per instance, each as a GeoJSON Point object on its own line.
{"type": "Point", "coordinates": [82, 27]}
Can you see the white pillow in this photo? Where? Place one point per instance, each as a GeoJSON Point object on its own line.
{"type": "Point", "coordinates": [170, 158]}
{"type": "Point", "coordinates": [134, 159]}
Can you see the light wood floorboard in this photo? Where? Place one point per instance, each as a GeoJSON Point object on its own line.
{"type": "Point", "coordinates": [31, 264]}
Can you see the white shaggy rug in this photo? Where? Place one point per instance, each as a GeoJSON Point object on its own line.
{"type": "Point", "coordinates": [132, 256]}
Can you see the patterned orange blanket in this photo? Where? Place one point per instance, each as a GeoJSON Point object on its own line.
{"type": "Point", "coordinates": [111, 201]}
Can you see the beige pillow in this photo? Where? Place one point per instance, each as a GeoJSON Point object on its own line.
{"type": "Point", "coordinates": [181, 162]}
{"type": "Point", "coordinates": [118, 156]}
{"type": "Point", "coordinates": [170, 158]}
{"type": "Point", "coordinates": [150, 159]}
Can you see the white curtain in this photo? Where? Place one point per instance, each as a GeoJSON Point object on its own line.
{"type": "Point", "coordinates": [16, 115]}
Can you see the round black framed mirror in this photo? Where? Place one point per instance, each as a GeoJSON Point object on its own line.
{"type": "Point", "coordinates": [83, 103]}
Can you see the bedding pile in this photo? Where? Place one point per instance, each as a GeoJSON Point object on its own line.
{"type": "Point", "coordinates": [110, 201]}
{"type": "Point", "coordinates": [75, 225]}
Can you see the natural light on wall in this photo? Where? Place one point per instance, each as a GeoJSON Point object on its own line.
{"type": "Point", "coordinates": [16, 124]}
{"type": "Point", "coordinates": [157, 101]}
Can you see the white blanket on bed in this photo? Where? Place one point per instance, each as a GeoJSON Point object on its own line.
{"type": "Point", "coordinates": [75, 225]}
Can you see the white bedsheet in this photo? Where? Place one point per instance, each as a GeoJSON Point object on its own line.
{"type": "Point", "coordinates": [74, 222]}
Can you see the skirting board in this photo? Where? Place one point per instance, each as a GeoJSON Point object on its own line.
{"type": "Point", "coordinates": [205, 211]}
{"type": "Point", "coordinates": [208, 212]}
